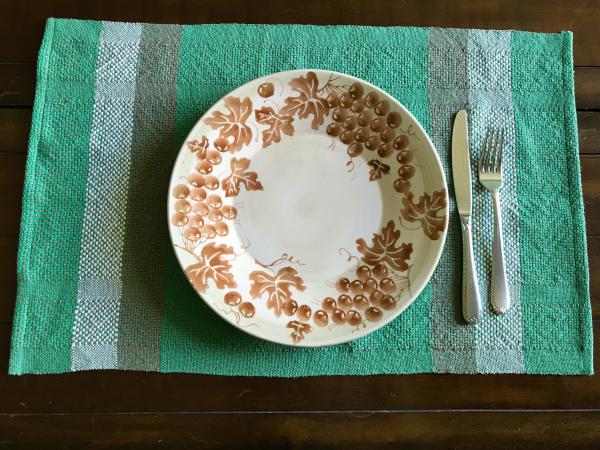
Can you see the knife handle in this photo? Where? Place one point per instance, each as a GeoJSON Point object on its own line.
{"type": "Point", "coordinates": [471, 303]}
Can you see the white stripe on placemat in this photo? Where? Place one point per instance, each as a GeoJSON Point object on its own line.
{"type": "Point", "coordinates": [95, 330]}
{"type": "Point", "coordinates": [499, 339]}
{"type": "Point", "coordinates": [452, 343]}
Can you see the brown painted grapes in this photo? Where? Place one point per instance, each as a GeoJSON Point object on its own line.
{"type": "Point", "coordinates": [266, 90]}
{"type": "Point", "coordinates": [387, 285]}
{"type": "Point", "coordinates": [360, 302]}
{"type": "Point", "coordinates": [375, 297]}
{"type": "Point", "coordinates": [342, 285]}
{"type": "Point", "coordinates": [211, 182]}
{"type": "Point", "coordinates": [204, 167]}
{"type": "Point", "coordinates": [333, 129]}
{"type": "Point", "coordinates": [387, 135]}
{"type": "Point", "coordinates": [373, 143]}
{"type": "Point", "coordinates": [221, 144]}
{"type": "Point", "coordinates": [179, 219]}
{"type": "Point", "coordinates": [339, 114]}
{"type": "Point", "coordinates": [333, 100]}
{"type": "Point", "coordinates": [374, 314]}
{"type": "Point", "coordinates": [214, 201]}
{"type": "Point", "coordinates": [378, 124]}
{"type": "Point", "coordinates": [338, 316]}
{"type": "Point", "coordinates": [344, 301]}
{"type": "Point", "coordinates": [304, 312]}
{"type": "Point", "coordinates": [232, 298]}
{"type": "Point", "coordinates": [364, 118]}
{"type": "Point", "coordinates": [356, 90]}
{"type": "Point", "coordinates": [357, 106]}
{"type": "Point", "coordinates": [198, 194]}
{"type": "Point", "coordinates": [201, 209]}
{"type": "Point", "coordinates": [349, 123]}
{"type": "Point", "coordinates": [181, 191]}
{"type": "Point", "coordinates": [362, 134]}
{"type": "Point", "coordinates": [406, 172]}
{"type": "Point", "coordinates": [183, 206]}
{"type": "Point", "coordinates": [196, 221]}
{"type": "Point", "coordinates": [213, 157]}
{"type": "Point", "coordinates": [388, 302]}
{"type": "Point", "coordinates": [221, 228]}
{"type": "Point", "coordinates": [404, 156]}
{"type": "Point", "coordinates": [347, 137]}
{"type": "Point", "coordinates": [354, 149]}
{"type": "Point", "coordinates": [229, 212]}
{"type": "Point", "coordinates": [380, 271]}
{"type": "Point", "coordinates": [394, 119]}
{"type": "Point", "coordinates": [353, 318]}
{"type": "Point", "coordinates": [370, 285]}
{"type": "Point", "coordinates": [328, 304]}
{"type": "Point", "coordinates": [371, 99]}
{"type": "Point", "coordinates": [290, 307]}
{"type": "Point", "coordinates": [215, 215]}
{"type": "Point", "coordinates": [346, 100]}
{"type": "Point", "coordinates": [191, 234]}
{"type": "Point", "coordinates": [321, 318]}
{"type": "Point", "coordinates": [401, 142]}
{"type": "Point", "coordinates": [385, 150]}
{"type": "Point", "coordinates": [402, 186]}
{"type": "Point", "coordinates": [363, 272]}
{"type": "Point", "coordinates": [208, 231]}
{"type": "Point", "coordinates": [382, 108]}
{"type": "Point", "coordinates": [247, 309]}
{"type": "Point", "coordinates": [196, 180]}
{"type": "Point", "coordinates": [357, 287]}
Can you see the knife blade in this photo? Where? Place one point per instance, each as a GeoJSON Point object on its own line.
{"type": "Point", "coordinates": [461, 173]}
{"type": "Point", "coordinates": [461, 164]}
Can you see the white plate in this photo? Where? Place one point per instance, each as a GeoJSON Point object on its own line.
{"type": "Point", "coordinates": [308, 208]}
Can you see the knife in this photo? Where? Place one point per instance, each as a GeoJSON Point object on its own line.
{"type": "Point", "coordinates": [461, 172]}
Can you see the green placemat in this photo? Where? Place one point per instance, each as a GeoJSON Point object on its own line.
{"type": "Point", "coordinates": [99, 287]}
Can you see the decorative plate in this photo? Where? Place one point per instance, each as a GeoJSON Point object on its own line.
{"type": "Point", "coordinates": [308, 208]}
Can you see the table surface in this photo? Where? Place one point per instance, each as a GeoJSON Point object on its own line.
{"type": "Point", "coordinates": [109, 409]}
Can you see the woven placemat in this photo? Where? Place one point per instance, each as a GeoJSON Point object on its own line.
{"type": "Point", "coordinates": [99, 286]}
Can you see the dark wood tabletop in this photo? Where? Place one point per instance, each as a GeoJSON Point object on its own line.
{"type": "Point", "coordinates": [110, 409]}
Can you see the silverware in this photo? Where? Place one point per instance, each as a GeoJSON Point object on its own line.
{"type": "Point", "coordinates": [461, 171]}
{"type": "Point", "coordinates": [490, 176]}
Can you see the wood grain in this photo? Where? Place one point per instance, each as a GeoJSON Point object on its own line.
{"type": "Point", "coordinates": [588, 123]}
{"type": "Point", "coordinates": [468, 430]}
{"type": "Point", "coordinates": [23, 25]}
{"type": "Point", "coordinates": [587, 87]}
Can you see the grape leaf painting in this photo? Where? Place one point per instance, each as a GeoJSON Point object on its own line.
{"type": "Point", "coordinates": [385, 249]}
{"type": "Point", "coordinates": [232, 125]}
{"type": "Point", "coordinates": [277, 287]}
{"type": "Point", "coordinates": [212, 266]}
{"type": "Point", "coordinates": [426, 212]}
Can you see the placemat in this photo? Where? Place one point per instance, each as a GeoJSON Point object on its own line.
{"type": "Point", "coordinates": [99, 286]}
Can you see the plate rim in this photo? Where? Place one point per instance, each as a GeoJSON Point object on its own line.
{"type": "Point", "coordinates": [347, 337]}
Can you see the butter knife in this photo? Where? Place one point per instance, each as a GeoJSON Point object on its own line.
{"type": "Point", "coordinates": [461, 172]}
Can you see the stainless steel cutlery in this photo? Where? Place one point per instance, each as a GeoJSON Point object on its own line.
{"type": "Point", "coordinates": [461, 171]}
{"type": "Point", "coordinates": [490, 176]}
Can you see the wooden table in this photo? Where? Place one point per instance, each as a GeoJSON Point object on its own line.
{"type": "Point", "coordinates": [112, 409]}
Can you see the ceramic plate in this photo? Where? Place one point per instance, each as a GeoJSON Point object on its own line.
{"type": "Point", "coordinates": [308, 208]}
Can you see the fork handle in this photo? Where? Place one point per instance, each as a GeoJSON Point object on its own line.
{"type": "Point", "coordinates": [471, 303]}
{"type": "Point", "coordinates": [499, 287]}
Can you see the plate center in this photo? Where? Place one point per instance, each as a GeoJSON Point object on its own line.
{"type": "Point", "coordinates": [311, 206]}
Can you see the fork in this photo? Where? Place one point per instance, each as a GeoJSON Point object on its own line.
{"type": "Point", "coordinates": [490, 176]}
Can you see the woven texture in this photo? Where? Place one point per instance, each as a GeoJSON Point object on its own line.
{"type": "Point", "coordinates": [99, 286]}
